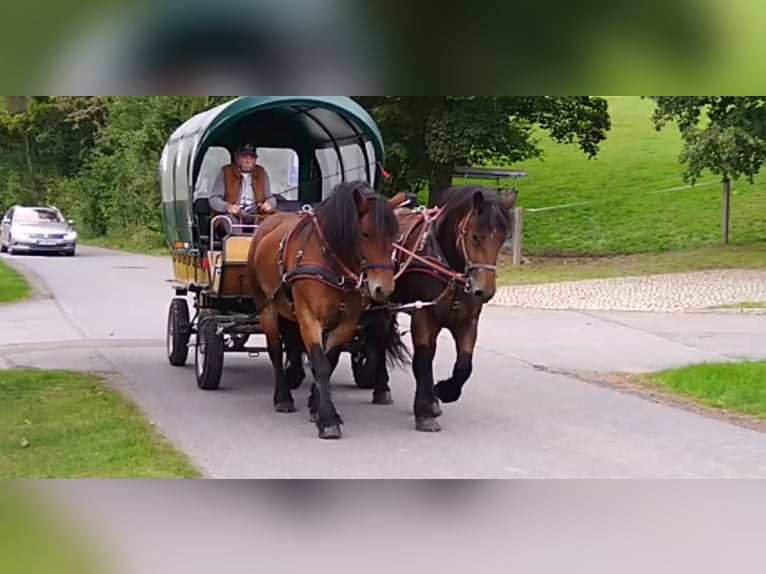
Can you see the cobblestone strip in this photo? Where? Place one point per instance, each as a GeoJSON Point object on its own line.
{"type": "Point", "coordinates": [659, 293]}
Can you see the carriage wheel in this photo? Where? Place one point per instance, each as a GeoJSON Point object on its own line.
{"type": "Point", "coordinates": [209, 356]}
{"type": "Point", "coordinates": [178, 333]}
{"type": "Point", "coordinates": [364, 365]}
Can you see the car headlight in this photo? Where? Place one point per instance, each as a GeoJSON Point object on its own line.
{"type": "Point", "coordinates": [21, 235]}
{"type": "Point", "coordinates": [71, 236]}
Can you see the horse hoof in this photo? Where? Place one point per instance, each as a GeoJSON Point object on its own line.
{"type": "Point", "coordinates": [332, 432]}
{"type": "Point", "coordinates": [314, 418]}
{"type": "Point", "coordinates": [437, 410]}
{"type": "Point", "coordinates": [383, 399]}
{"type": "Point", "coordinates": [448, 393]}
{"type": "Point", "coordinates": [286, 407]}
{"type": "Point", "coordinates": [428, 425]}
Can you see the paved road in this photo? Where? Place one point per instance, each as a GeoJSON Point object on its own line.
{"type": "Point", "coordinates": [518, 418]}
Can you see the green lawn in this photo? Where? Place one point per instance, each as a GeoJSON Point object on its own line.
{"type": "Point", "coordinates": [69, 426]}
{"type": "Point", "coordinates": [737, 388]}
{"type": "Point", "coordinates": [34, 540]}
{"type": "Point", "coordinates": [555, 269]}
{"type": "Point", "coordinates": [634, 162]}
{"type": "Point", "coordinates": [13, 287]}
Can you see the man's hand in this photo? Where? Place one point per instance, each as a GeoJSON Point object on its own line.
{"type": "Point", "coordinates": [266, 208]}
{"type": "Point", "coordinates": [235, 210]}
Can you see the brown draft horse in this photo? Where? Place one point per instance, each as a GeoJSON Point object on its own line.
{"type": "Point", "coordinates": [447, 257]}
{"type": "Point", "coordinates": [313, 275]}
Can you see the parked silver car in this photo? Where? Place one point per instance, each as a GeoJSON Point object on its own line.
{"type": "Point", "coordinates": [37, 229]}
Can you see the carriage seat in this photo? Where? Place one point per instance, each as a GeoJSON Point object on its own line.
{"type": "Point", "coordinates": [203, 215]}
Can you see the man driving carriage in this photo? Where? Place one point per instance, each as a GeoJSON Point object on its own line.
{"type": "Point", "coordinates": [242, 190]}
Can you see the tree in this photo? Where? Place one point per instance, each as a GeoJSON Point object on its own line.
{"type": "Point", "coordinates": [723, 134]}
{"type": "Point", "coordinates": [426, 136]}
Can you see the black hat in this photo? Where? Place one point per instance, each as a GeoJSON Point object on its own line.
{"type": "Point", "coordinates": [248, 149]}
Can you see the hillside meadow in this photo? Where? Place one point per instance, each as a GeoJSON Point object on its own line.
{"type": "Point", "coordinates": [642, 204]}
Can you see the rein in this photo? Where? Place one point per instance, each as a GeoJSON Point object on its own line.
{"type": "Point", "coordinates": [439, 267]}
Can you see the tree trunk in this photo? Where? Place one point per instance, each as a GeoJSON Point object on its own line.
{"type": "Point", "coordinates": [440, 181]}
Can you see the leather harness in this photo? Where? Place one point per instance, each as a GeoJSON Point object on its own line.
{"type": "Point", "coordinates": [346, 281]}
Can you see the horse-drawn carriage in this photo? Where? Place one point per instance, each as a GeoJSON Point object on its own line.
{"type": "Point", "coordinates": [308, 145]}
{"type": "Point", "coordinates": [328, 271]}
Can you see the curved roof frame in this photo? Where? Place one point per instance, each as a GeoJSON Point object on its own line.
{"type": "Point", "coordinates": [207, 127]}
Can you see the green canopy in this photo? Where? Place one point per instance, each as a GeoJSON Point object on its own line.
{"type": "Point", "coordinates": [298, 122]}
{"type": "Point", "coordinates": [332, 138]}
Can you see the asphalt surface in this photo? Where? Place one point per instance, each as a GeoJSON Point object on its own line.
{"type": "Point", "coordinates": [106, 311]}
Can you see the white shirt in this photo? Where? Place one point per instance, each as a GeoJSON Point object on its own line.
{"type": "Point", "coordinates": [246, 196]}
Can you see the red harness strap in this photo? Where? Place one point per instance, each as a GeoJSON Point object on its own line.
{"type": "Point", "coordinates": [434, 267]}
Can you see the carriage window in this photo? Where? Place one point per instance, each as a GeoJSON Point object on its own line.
{"type": "Point", "coordinates": [166, 174]}
{"type": "Point", "coordinates": [181, 166]}
{"type": "Point", "coordinates": [215, 159]}
{"type": "Point", "coordinates": [282, 166]}
{"type": "Point", "coordinates": [373, 160]}
{"type": "Point", "coordinates": [354, 162]}
{"type": "Point", "coordinates": [331, 174]}
{"type": "Point", "coordinates": [353, 167]}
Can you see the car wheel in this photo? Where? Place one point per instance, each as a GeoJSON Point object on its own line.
{"type": "Point", "coordinates": [3, 248]}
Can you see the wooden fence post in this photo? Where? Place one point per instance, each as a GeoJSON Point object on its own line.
{"type": "Point", "coordinates": [726, 211]}
{"type": "Point", "coordinates": [518, 236]}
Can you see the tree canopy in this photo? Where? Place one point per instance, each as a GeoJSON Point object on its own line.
{"type": "Point", "coordinates": [98, 157]}
{"type": "Point", "coordinates": [427, 136]}
{"type": "Point", "coordinates": [725, 135]}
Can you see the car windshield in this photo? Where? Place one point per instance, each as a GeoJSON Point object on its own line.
{"type": "Point", "coordinates": [38, 216]}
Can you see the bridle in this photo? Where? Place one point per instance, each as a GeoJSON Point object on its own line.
{"type": "Point", "coordinates": [470, 266]}
{"type": "Point", "coordinates": [438, 264]}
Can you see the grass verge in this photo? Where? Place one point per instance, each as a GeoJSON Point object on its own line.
{"type": "Point", "coordinates": [72, 426]}
{"type": "Point", "coordinates": [13, 287]}
{"type": "Point", "coordinates": [736, 388]}
{"type": "Point", "coordinates": [746, 306]}
{"type": "Point", "coordinates": [558, 269]}
{"type": "Point", "coordinates": [33, 540]}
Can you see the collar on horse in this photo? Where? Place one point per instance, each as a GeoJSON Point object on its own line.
{"type": "Point", "coordinates": [346, 280]}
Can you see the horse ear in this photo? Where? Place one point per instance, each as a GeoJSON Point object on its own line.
{"type": "Point", "coordinates": [510, 202]}
{"type": "Point", "coordinates": [398, 200]}
{"type": "Point", "coordinates": [478, 201]}
{"type": "Point", "coordinates": [362, 203]}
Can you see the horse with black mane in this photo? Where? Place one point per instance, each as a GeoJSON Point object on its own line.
{"type": "Point", "coordinates": [447, 258]}
{"type": "Point", "coordinates": [313, 275]}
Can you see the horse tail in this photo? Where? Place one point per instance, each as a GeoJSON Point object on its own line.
{"type": "Point", "coordinates": [397, 352]}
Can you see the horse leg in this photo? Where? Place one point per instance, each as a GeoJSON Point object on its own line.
{"type": "Point", "coordinates": [377, 348]}
{"type": "Point", "coordinates": [465, 336]}
{"type": "Point", "coordinates": [294, 372]}
{"type": "Point", "coordinates": [323, 411]}
{"type": "Point", "coordinates": [426, 405]}
{"type": "Point", "coordinates": [283, 400]}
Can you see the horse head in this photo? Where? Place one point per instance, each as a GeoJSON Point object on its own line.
{"type": "Point", "coordinates": [360, 227]}
{"type": "Point", "coordinates": [474, 227]}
